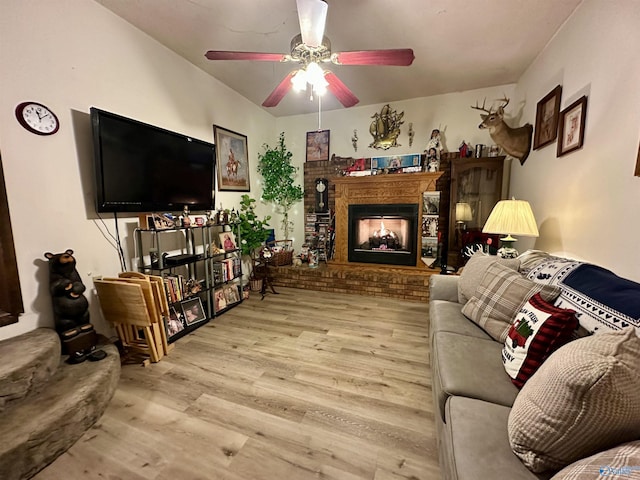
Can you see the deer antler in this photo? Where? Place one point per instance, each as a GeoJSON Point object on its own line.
{"type": "Point", "coordinates": [505, 100]}
{"type": "Point", "coordinates": [482, 109]}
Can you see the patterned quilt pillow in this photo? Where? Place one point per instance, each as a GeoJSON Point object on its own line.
{"type": "Point", "coordinates": [583, 399]}
{"type": "Point", "coordinates": [622, 461]}
{"type": "Point", "coordinates": [539, 329]}
{"type": "Point", "coordinates": [500, 295]}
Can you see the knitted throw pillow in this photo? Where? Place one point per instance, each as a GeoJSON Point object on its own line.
{"type": "Point", "coordinates": [583, 399]}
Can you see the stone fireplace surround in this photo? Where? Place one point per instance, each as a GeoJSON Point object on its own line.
{"type": "Point", "coordinates": [341, 276]}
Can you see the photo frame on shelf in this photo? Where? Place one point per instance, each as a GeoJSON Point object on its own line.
{"type": "Point", "coordinates": [233, 160]}
{"type": "Point", "coordinates": [547, 115]}
{"type": "Point", "coordinates": [219, 299]}
{"type": "Point", "coordinates": [173, 324]}
{"type": "Point", "coordinates": [431, 203]}
{"type": "Point", "coordinates": [318, 146]}
{"type": "Point", "coordinates": [228, 241]}
{"type": "Point", "coordinates": [163, 221]}
{"type": "Point", "coordinates": [571, 126]}
{"type": "Point", "coordinates": [193, 311]}
{"type": "Point", "coordinates": [231, 294]}
{"type": "Point", "coordinates": [397, 162]}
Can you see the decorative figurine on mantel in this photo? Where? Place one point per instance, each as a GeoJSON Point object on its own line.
{"type": "Point", "coordinates": [186, 221]}
{"type": "Point", "coordinates": [433, 150]}
{"type": "Point", "coordinates": [412, 134]}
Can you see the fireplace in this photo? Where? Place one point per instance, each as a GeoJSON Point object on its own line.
{"type": "Point", "coordinates": [385, 234]}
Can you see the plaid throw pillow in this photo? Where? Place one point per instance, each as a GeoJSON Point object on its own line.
{"type": "Point", "coordinates": [539, 329]}
{"type": "Point", "coordinates": [500, 295]}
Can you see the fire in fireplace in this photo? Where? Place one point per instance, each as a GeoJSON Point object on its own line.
{"type": "Point", "coordinates": [383, 233]}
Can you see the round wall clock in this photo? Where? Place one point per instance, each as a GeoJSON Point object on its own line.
{"type": "Point", "coordinates": [37, 118]}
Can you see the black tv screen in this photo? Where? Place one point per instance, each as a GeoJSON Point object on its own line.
{"type": "Point", "coordinates": [142, 168]}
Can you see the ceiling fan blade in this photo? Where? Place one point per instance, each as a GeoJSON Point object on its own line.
{"type": "Point", "coordinates": [227, 55]}
{"type": "Point", "coordinates": [340, 90]}
{"type": "Point", "coordinates": [280, 91]}
{"type": "Point", "coordinates": [402, 57]}
{"type": "Point", "coordinates": [312, 15]}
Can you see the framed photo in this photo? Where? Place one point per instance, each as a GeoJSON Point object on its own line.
{"type": "Point", "coordinates": [228, 241]}
{"type": "Point", "coordinates": [219, 299]}
{"type": "Point", "coordinates": [317, 145]}
{"type": "Point", "coordinates": [431, 203]}
{"type": "Point", "coordinates": [231, 294]}
{"type": "Point", "coordinates": [174, 324]}
{"type": "Point", "coordinates": [571, 128]}
{"type": "Point", "coordinates": [547, 114]}
{"type": "Point", "coordinates": [163, 221]}
{"type": "Point", "coordinates": [193, 311]}
{"type": "Point", "coordinates": [146, 221]}
{"type": "Point", "coordinates": [233, 160]}
{"type": "Point", "coordinates": [396, 162]}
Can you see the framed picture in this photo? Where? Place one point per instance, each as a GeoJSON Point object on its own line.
{"type": "Point", "coordinates": [547, 114]}
{"type": "Point", "coordinates": [146, 221]}
{"type": "Point", "coordinates": [193, 311]}
{"type": "Point", "coordinates": [220, 301]}
{"type": "Point", "coordinates": [431, 203]}
{"type": "Point", "coordinates": [174, 323]}
{"type": "Point", "coordinates": [163, 221]}
{"type": "Point", "coordinates": [228, 241]}
{"type": "Point", "coordinates": [233, 160]}
{"type": "Point", "coordinates": [317, 145]}
{"type": "Point", "coordinates": [396, 162]}
{"type": "Point", "coordinates": [231, 294]}
{"type": "Point", "coordinates": [571, 128]}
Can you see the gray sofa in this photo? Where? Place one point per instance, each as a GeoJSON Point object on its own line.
{"type": "Point", "coordinates": [472, 394]}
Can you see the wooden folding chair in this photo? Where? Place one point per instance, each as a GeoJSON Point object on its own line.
{"type": "Point", "coordinates": [124, 305]}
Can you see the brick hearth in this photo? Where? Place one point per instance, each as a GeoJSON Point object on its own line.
{"type": "Point", "coordinates": [403, 283]}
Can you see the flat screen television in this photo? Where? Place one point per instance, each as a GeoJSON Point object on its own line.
{"type": "Point", "coordinates": [142, 168]}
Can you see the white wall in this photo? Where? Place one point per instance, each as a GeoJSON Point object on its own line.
{"type": "Point", "coordinates": [586, 202]}
{"type": "Point", "coordinates": [70, 56]}
{"type": "Point", "coordinates": [451, 113]}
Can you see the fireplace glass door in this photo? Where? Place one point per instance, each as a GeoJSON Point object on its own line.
{"type": "Point", "coordinates": [383, 234]}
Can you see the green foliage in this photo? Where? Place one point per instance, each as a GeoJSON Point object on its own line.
{"type": "Point", "coordinates": [252, 230]}
{"type": "Point", "coordinates": [278, 175]}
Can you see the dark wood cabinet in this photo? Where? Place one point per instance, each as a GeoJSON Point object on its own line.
{"type": "Point", "coordinates": [477, 184]}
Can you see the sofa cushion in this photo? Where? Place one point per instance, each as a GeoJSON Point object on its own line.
{"type": "Point", "coordinates": [469, 367]}
{"type": "Point", "coordinates": [447, 317]}
{"type": "Point", "coordinates": [539, 329]}
{"type": "Point", "coordinates": [475, 269]}
{"type": "Point", "coordinates": [621, 461]}
{"type": "Point", "coordinates": [476, 444]}
{"type": "Point", "coordinates": [499, 296]}
{"type": "Point", "coordinates": [583, 399]}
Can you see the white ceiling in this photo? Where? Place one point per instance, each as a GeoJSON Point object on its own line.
{"type": "Point", "coordinates": [459, 44]}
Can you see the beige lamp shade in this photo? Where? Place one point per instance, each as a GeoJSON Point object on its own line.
{"type": "Point", "coordinates": [463, 212]}
{"type": "Point", "coordinates": [512, 217]}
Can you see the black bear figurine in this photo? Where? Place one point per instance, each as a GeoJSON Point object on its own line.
{"type": "Point", "coordinates": [71, 309]}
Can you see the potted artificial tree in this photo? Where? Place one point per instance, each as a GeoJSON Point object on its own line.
{"type": "Point", "coordinates": [278, 174]}
{"type": "Point", "coordinates": [253, 233]}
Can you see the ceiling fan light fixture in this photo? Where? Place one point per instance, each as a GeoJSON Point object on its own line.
{"type": "Point", "coordinates": [312, 15]}
{"type": "Point", "coordinates": [299, 80]}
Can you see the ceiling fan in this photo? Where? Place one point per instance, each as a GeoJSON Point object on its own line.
{"type": "Point", "coordinates": [311, 49]}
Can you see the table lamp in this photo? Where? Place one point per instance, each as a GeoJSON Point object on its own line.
{"type": "Point", "coordinates": [511, 217]}
{"type": "Point", "coordinates": [463, 214]}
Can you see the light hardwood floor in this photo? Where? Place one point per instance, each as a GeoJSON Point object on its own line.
{"type": "Point", "coordinates": [300, 385]}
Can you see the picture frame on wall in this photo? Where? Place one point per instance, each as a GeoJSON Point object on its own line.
{"type": "Point", "coordinates": [233, 160]}
{"type": "Point", "coordinates": [547, 115]}
{"type": "Point", "coordinates": [318, 146]}
{"type": "Point", "coordinates": [571, 126]}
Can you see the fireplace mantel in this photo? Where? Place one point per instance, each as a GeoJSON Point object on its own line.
{"type": "Point", "coordinates": [377, 189]}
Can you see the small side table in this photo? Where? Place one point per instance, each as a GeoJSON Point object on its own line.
{"type": "Point", "coordinates": [263, 268]}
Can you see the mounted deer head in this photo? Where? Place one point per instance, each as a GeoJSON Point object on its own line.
{"type": "Point", "coordinates": [515, 141]}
